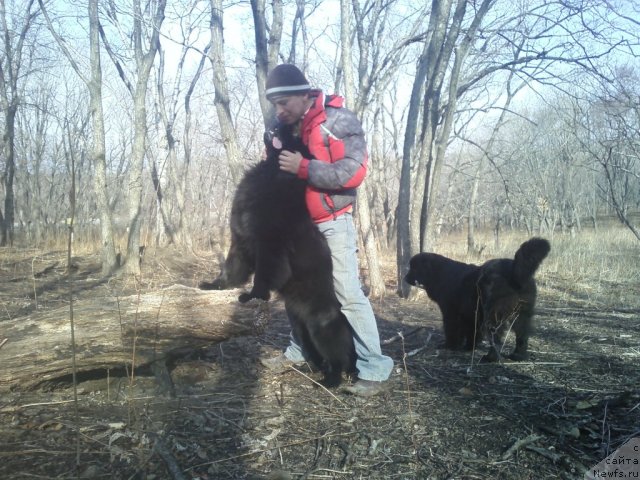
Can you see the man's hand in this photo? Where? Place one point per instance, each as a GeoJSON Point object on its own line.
{"type": "Point", "coordinates": [290, 161]}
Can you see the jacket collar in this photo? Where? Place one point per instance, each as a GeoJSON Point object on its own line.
{"type": "Point", "coordinates": [316, 113]}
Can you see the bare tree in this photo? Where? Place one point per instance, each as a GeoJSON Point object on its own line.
{"type": "Point", "coordinates": [93, 81]}
{"type": "Point", "coordinates": [377, 61]}
{"type": "Point", "coordinates": [13, 61]}
{"type": "Point", "coordinates": [447, 46]}
{"type": "Point", "coordinates": [376, 282]}
{"type": "Point", "coordinates": [146, 43]}
{"type": "Point", "coordinates": [267, 39]}
{"type": "Point", "coordinates": [185, 222]}
{"type": "Point", "coordinates": [166, 158]}
{"type": "Point", "coordinates": [618, 174]}
{"type": "Point", "coordinates": [610, 137]}
{"type": "Point", "coordinates": [109, 259]}
{"type": "Point", "coordinates": [299, 25]}
{"type": "Point", "coordinates": [220, 84]}
{"type": "Point", "coordinates": [38, 170]}
{"type": "Point", "coordinates": [176, 228]}
{"type": "Point", "coordinates": [48, 135]}
{"type": "Point", "coordinates": [511, 91]}
{"type": "Point", "coordinates": [465, 48]}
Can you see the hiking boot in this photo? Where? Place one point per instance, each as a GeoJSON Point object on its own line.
{"type": "Point", "coordinates": [278, 364]}
{"type": "Point", "coordinates": [365, 388]}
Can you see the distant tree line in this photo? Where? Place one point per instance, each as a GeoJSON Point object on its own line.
{"type": "Point", "coordinates": [487, 113]}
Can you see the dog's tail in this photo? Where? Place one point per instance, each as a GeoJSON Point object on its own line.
{"type": "Point", "coordinates": [528, 258]}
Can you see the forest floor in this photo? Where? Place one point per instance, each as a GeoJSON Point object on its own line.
{"type": "Point", "coordinates": [444, 415]}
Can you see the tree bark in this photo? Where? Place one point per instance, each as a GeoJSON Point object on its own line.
{"type": "Point", "coordinates": [144, 63]}
{"type": "Point", "coordinates": [186, 222]}
{"type": "Point", "coordinates": [407, 230]}
{"type": "Point", "coordinates": [267, 48]}
{"type": "Point", "coordinates": [94, 84]}
{"type": "Point", "coordinates": [425, 150]}
{"type": "Point", "coordinates": [357, 103]}
{"type": "Point", "coordinates": [220, 84]}
{"type": "Point", "coordinates": [117, 333]}
{"type": "Point", "coordinates": [11, 62]}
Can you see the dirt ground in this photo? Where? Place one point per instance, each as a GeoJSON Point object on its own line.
{"type": "Point", "coordinates": [443, 415]}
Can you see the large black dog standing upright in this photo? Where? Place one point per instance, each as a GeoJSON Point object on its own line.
{"type": "Point", "coordinates": [483, 301]}
{"type": "Point", "coordinates": [273, 237]}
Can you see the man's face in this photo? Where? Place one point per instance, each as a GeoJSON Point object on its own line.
{"type": "Point", "coordinates": [290, 108]}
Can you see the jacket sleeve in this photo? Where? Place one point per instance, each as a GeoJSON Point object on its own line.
{"type": "Point", "coordinates": [348, 152]}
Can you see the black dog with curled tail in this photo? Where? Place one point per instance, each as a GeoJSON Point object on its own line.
{"type": "Point", "coordinates": [485, 300]}
{"type": "Point", "coordinates": [274, 238]}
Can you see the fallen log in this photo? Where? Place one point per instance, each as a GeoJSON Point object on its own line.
{"type": "Point", "coordinates": [118, 333]}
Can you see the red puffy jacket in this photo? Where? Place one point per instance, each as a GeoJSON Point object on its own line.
{"type": "Point", "coordinates": [335, 139]}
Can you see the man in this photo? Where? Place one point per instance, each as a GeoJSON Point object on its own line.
{"type": "Point", "coordinates": [335, 139]}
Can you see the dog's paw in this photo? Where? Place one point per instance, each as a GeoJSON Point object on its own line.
{"type": "Point", "coordinates": [453, 346]}
{"type": "Point", "coordinates": [490, 357]}
{"type": "Point", "coordinates": [519, 356]}
{"type": "Point", "coordinates": [331, 380]}
{"type": "Point", "coordinates": [217, 284]}
{"type": "Point", "coordinates": [245, 297]}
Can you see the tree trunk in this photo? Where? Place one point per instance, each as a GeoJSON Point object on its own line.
{"type": "Point", "coordinates": [267, 48]}
{"type": "Point", "coordinates": [144, 63]}
{"type": "Point", "coordinates": [472, 245]}
{"type": "Point", "coordinates": [363, 210]}
{"type": "Point", "coordinates": [434, 141]}
{"type": "Point", "coordinates": [376, 281]}
{"type": "Point", "coordinates": [221, 100]}
{"type": "Point", "coordinates": [406, 233]}
{"type": "Point", "coordinates": [428, 147]}
{"type": "Point", "coordinates": [122, 333]}
{"type": "Point", "coordinates": [166, 228]}
{"type": "Point", "coordinates": [94, 84]}
{"type": "Point", "coordinates": [6, 232]}
{"type": "Point", "coordinates": [13, 37]}
{"type": "Point", "coordinates": [186, 222]}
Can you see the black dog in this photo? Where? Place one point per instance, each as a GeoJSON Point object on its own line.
{"type": "Point", "coordinates": [273, 237]}
{"type": "Point", "coordinates": [483, 301]}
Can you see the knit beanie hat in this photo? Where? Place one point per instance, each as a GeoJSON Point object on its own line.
{"type": "Point", "coordinates": [286, 79]}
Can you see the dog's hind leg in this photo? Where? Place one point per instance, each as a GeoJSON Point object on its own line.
{"type": "Point", "coordinates": [237, 268]}
{"type": "Point", "coordinates": [522, 330]}
{"type": "Point", "coordinates": [272, 270]}
{"type": "Point", "coordinates": [493, 355]}
{"type": "Point", "coordinates": [494, 332]}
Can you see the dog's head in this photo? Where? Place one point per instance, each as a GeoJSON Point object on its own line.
{"type": "Point", "coordinates": [273, 143]}
{"type": "Point", "coordinates": [280, 137]}
{"type": "Point", "coordinates": [421, 268]}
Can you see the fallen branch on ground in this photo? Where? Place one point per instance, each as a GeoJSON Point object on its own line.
{"type": "Point", "coordinates": [519, 444]}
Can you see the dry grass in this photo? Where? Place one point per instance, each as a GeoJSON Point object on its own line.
{"type": "Point", "coordinates": [603, 266]}
{"type": "Point", "coordinates": [609, 255]}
